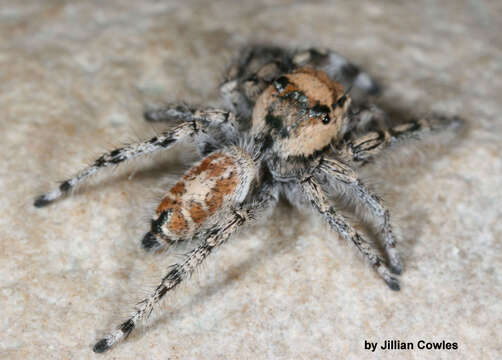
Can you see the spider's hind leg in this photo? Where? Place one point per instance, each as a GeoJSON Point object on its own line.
{"type": "Point", "coordinates": [222, 181]}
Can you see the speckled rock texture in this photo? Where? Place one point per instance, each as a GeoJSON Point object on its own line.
{"type": "Point", "coordinates": [75, 78]}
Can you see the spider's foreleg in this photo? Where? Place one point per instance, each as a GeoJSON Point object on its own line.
{"type": "Point", "coordinates": [216, 236]}
{"type": "Point", "coordinates": [367, 147]}
{"type": "Point", "coordinates": [318, 198]}
{"type": "Point", "coordinates": [164, 141]}
{"type": "Point", "coordinates": [336, 172]}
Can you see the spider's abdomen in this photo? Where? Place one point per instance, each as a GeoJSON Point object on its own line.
{"type": "Point", "coordinates": [205, 193]}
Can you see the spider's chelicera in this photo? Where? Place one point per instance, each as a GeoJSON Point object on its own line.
{"type": "Point", "coordinates": [288, 127]}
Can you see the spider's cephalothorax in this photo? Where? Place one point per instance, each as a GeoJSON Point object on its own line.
{"type": "Point", "coordinates": [288, 128]}
{"type": "Point", "coordinates": [302, 111]}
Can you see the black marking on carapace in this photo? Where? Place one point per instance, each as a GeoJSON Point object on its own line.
{"type": "Point", "coordinates": [65, 186]}
{"type": "Point", "coordinates": [275, 122]}
{"type": "Point", "coordinates": [284, 133]}
{"type": "Point", "coordinates": [281, 83]}
{"type": "Point", "coordinates": [320, 111]}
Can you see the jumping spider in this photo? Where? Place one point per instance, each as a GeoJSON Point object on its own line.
{"type": "Point", "coordinates": [288, 128]}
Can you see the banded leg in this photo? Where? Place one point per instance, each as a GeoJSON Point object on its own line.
{"type": "Point", "coordinates": [214, 117]}
{"type": "Point", "coordinates": [319, 201]}
{"type": "Point", "coordinates": [181, 271]}
{"type": "Point", "coordinates": [337, 172]}
{"type": "Point", "coordinates": [194, 127]}
{"type": "Point", "coordinates": [221, 124]}
{"type": "Point", "coordinates": [365, 148]}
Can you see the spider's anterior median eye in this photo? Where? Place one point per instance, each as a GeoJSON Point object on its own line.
{"type": "Point", "coordinates": [325, 119]}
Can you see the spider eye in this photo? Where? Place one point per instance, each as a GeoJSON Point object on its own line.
{"type": "Point", "coordinates": [320, 111]}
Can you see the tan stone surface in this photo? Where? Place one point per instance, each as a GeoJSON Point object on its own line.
{"type": "Point", "coordinates": [74, 79]}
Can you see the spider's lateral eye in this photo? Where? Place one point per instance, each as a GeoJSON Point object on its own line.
{"type": "Point", "coordinates": [326, 119]}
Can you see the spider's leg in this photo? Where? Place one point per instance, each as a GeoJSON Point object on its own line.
{"type": "Point", "coordinates": [162, 142]}
{"type": "Point", "coordinates": [179, 272]}
{"type": "Point", "coordinates": [176, 274]}
{"type": "Point", "coordinates": [335, 172]}
{"type": "Point", "coordinates": [176, 112]}
{"type": "Point", "coordinates": [220, 124]}
{"type": "Point", "coordinates": [318, 198]}
{"type": "Point", "coordinates": [338, 68]}
{"type": "Point", "coordinates": [367, 147]}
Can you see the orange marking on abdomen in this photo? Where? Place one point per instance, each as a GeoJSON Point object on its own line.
{"type": "Point", "coordinates": [177, 222]}
{"type": "Point", "coordinates": [178, 189]}
{"type": "Point", "coordinates": [225, 186]}
{"type": "Point", "coordinates": [182, 199]}
{"type": "Point", "coordinates": [167, 203]}
{"type": "Point", "coordinates": [197, 213]}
